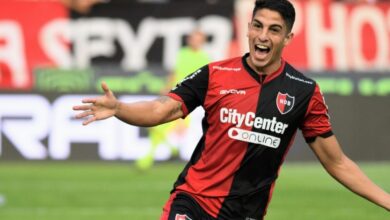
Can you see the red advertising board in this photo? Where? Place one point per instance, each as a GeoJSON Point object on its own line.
{"type": "Point", "coordinates": [21, 23]}
{"type": "Point", "coordinates": [342, 37]}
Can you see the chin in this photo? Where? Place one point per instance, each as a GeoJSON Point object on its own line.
{"type": "Point", "coordinates": [259, 64]}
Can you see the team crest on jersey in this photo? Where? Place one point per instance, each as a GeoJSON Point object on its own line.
{"type": "Point", "coordinates": [182, 217]}
{"type": "Point", "coordinates": [285, 102]}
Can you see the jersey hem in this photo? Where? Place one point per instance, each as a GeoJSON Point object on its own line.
{"type": "Point", "coordinates": [324, 135]}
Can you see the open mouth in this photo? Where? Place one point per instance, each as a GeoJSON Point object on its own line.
{"type": "Point", "coordinates": [262, 49]}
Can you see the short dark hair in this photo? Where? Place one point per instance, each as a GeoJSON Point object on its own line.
{"type": "Point", "coordinates": [283, 7]}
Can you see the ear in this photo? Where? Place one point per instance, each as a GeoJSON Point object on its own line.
{"type": "Point", "coordinates": [288, 38]}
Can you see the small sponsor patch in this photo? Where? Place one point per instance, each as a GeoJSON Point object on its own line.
{"type": "Point", "coordinates": [254, 137]}
{"type": "Point", "coordinates": [232, 91]}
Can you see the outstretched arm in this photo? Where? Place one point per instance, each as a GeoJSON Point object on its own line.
{"type": "Point", "coordinates": [344, 170]}
{"type": "Point", "coordinates": [144, 113]}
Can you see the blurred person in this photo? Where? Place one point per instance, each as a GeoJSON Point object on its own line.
{"type": "Point", "coordinates": [254, 105]}
{"type": "Point", "coordinates": [190, 57]}
{"type": "Point", "coordinates": [172, 135]}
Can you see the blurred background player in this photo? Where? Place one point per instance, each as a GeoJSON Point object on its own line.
{"type": "Point", "coordinates": [172, 135]}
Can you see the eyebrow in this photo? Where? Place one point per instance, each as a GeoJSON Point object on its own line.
{"type": "Point", "coordinates": [272, 25]}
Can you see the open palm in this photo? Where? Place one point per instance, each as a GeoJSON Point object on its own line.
{"type": "Point", "coordinates": [97, 108]}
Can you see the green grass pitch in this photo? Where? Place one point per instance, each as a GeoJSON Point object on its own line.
{"type": "Point", "coordinates": [116, 191]}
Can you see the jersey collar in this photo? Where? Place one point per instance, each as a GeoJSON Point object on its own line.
{"type": "Point", "coordinates": [256, 76]}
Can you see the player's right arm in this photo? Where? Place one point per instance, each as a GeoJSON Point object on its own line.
{"type": "Point", "coordinates": [143, 113]}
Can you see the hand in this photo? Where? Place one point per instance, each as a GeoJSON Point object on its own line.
{"type": "Point", "coordinates": [98, 108]}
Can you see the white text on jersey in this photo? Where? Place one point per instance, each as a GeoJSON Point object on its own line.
{"type": "Point", "coordinates": [232, 91]}
{"type": "Point", "coordinates": [249, 119]}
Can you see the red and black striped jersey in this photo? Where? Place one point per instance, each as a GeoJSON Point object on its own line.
{"type": "Point", "coordinates": [249, 124]}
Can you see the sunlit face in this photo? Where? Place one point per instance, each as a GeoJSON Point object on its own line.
{"type": "Point", "coordinates": [267, 35]}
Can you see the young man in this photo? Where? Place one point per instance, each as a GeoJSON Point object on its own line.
{"type": "Point", "coordinates": [254, 105]}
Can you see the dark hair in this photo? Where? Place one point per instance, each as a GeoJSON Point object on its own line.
{"type": "Point", "coordinates": [283, 7]}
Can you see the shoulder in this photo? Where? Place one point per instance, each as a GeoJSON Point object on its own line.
{"type": "Point", "coordinates": [231, 64]}
{"type": "Point", "coordinates": [185, 49]}
{"type": "Point", "coordinates": [298, 77]}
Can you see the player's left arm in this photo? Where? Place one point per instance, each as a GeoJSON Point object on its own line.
{"type": "Point", "coordinates": [345, 171]}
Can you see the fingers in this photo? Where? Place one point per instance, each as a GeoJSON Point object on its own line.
{"type": "Point", "coordinates": [84, 114]}
{"type": "Point", "coordinates": [91, 106]}
{"type": "Point", "coordinates": [82, 107]}
{"type": "Point", "coordinates": [89, 120]}
{"type": "Point", "coordinates": [90, 115]}
{"type": "Point", "coordinates": [87, 112]}
{"type": "Point", "coordinates": [89, 100]}
{"type": "Point", "coordinates": [105, 88]}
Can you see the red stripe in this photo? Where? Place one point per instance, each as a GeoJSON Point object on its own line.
{"type": "Point", "coordinates": [281, 105]}
{"type": "Point", "coordinates": [275, 74]}
{"type": "Point", "coordinates": [167, 207]}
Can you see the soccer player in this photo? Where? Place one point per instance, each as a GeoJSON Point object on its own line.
{"type": "Point", "coordinates": [254, 105]}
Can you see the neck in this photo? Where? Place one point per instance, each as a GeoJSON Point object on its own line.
{"type": "Point", "coordinates": [265, 70]}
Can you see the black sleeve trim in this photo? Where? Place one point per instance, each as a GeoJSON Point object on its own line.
{"type": "Point", "coordinates": [193, 89]}
{"type": "Point", "coordinates": [324, 135]}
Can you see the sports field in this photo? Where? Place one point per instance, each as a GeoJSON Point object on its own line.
{"type": "Point", "coordinates": [116, 191]}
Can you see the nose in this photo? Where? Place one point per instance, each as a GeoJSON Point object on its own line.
{"type": "Point", "coordinates": [263, 35]}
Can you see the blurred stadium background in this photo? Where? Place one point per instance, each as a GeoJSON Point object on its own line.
{"type": "Point", "coordinates": [55, 52]}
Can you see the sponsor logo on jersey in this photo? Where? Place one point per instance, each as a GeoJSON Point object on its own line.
{"type": "Point", "coordinates": [232, 91]}
{"type": "Point", "coordinates": [236, 69]}
{"type": "Point", "coordinates": [254, 137]}
{"type": "Point", "coordinates": [298, 79]}
{"type": "Point", "coordinates": [284, 102]}
{"type": "Point", "coordinates": [182, 217]}
{"type": "Point", "coordinates": [249, 119]}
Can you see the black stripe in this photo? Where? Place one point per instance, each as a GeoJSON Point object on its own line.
{"type": "Point", "coordinates": [193, 88]}
{"type": "Point", "coordinates": [249, 69]}
{"type": "Point", "coordinates": [324, 135]}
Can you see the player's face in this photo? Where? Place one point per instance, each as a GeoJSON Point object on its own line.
{"type": "Point", "coordinates": [267, 35]}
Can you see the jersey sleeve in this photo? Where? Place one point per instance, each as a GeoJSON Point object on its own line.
{"type": "Point", "coordinates": [317, 121]}
{"type": "Point", "coordinates": [191, 91]}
